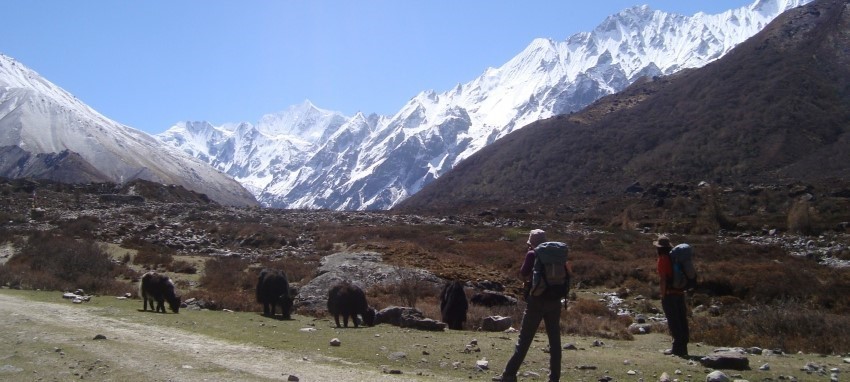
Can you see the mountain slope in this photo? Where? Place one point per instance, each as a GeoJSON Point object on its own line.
{"type": "Point", "coordinates": [773, 110]}
{"type": "Point", "coordinates": [39, 118]}
{"type": "Point", "coordinates": [387, 159]}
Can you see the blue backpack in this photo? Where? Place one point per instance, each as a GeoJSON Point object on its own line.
{"type": "Point", "coordinates": [684, 273]}
{"type": "Point", "coordinates": [549, 277]}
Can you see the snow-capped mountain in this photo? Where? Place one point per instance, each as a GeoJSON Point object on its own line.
{"type": "Point", "coordinates": [305, 157]}
{"type": "Point", "coordinates": [37, 117]}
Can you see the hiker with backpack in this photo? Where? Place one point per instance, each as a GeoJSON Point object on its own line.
{"type": "Point", "coordinates": [546, 271]}
{"type": "Point", "coordinates": [676, 274]}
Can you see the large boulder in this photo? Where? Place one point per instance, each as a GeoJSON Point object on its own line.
{"type": "Point", "coordinates": [732, 360]}
{"type": "Point", "coordinates": [407, 317]}
{"type": "Point", "coordinates": [365, 269]}
{"type": "Point", "coordinates": [496, 323]}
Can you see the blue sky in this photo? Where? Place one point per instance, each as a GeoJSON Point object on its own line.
{"type": "Point", "coordinates": [149, 64]}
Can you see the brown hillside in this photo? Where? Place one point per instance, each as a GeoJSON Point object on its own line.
{"type": "Point", "coordinates": [774, 110]}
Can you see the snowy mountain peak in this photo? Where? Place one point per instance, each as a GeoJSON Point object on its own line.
{"type": "Point", "coordinates": [38, 117]}
{"type": "Point", "coordinates": [304, 121]}
{"type": "Point", "coordinates": [311, 158]}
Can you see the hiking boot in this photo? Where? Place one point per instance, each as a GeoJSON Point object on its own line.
{"type": "Point", "coordinates": [668, 352]}
{"type": "Point", "coordinates": [504, 378]}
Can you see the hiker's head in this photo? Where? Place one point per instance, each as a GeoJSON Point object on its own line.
{"type": "Point", "coordinates": [535, 237]}
{"type": "Point", "coordinates": [662, 243]}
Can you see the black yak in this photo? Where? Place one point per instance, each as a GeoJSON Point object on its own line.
{"type": "Point", "coordinates": [159, 288]}
{"type": "Point", "coordinates": [273, 290]}
{"type": "Point", "coordinates": [490, 298]}
{"type": "Point", "coordinates": [348, 300]}
{"type": "Point", "coordinates": [453, 305]}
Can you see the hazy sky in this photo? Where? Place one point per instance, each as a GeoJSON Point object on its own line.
{"type": "Point", "coordinates": [149, 64]}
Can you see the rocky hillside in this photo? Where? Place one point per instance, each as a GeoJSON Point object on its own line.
{"type": "Point", "coordinates": [773, 111]}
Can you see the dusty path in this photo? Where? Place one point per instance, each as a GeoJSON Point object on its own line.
{"type": "Point", "coordinates": [56, 342]}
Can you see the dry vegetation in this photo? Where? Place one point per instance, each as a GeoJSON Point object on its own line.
{"type": "Point", "coordinates": [759, 295]}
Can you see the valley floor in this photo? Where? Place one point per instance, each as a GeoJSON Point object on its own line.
{"type": "Point", "coordinates": [51, 341]}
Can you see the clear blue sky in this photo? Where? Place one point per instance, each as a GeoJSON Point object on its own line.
{"type": "Point", "coordinates": [149, 64]}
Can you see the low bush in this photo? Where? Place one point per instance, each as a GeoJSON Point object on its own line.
{"type": "Point", "coordinates": [790, 327]}
{"type": "Point", "coordinates": [53, 262]}
{"type": "Point", "coordinates": [154, 259]}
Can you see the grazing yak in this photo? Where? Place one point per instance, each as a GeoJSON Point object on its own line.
{"type": "Point", "coordinates": [159, 288]}
{"type": "Point", "coordinates": [453, 305]}
{"type": "Point", "coordinates": [273, 290]}
{"type": "Point", "coordinates": [348, 300]}
{"type": "Point", "coordinates": [490, 299]}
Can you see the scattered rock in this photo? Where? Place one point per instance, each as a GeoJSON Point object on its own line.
{"type": "Point", "coordinates": [335, 342]}
{"type": "Point", "coordinates": [292, 378]}
{"type": "Point", "coordinates": [496, 323]}
{"type": "Point", "coordinates": [717, 376]}
{"type": "Point", "coordinates": [99, 337]}
{"type": "Point", "coordinates": [395, 356]}
{"type": "Point", "coordinates": [407, 317]}
{"type": "Point", "coordinates": [640, 328]}
{"type": "Point", "coordinates": [726, 360]}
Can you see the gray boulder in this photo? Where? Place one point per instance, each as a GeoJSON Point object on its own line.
{"type": "Point", "coordinates": [717, 376]}
{"type": "Point", "coordinates": [406, 317]}
{"type": "Point", "coordinates": [726, 360]}
{"type": "Point", "coordinates": [496, 323]}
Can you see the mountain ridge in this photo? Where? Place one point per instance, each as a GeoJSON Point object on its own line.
{"type": "Point", "coordinates": [772, 111]}
{"type": "Point", "coordinates": [435, 131]}
{"type": "Point", "coordinates": [40, 118]}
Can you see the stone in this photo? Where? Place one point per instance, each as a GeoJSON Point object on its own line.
{"type": "Point", "coordinates": [717, 376]}
{"type": "Point", "coordinates": [99, 337]}
{"type": "Point", "coordinates": [726, 360]}
{"type": "Point", "coordinates": [395, 356]}
{"type": "Point", "coordinates": [496, 323]}
{"type": "Point", "coordinates": [335, 342]}
{"type": "Point", "coordinates": [640, 328]}
{"type": "Point", "coordinates": [292, 378]}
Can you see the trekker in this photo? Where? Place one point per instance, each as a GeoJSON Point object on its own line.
{"type": "Point", "coordinates": [538, 308]}
{"type": "Point", "coordinates": [672, 300]}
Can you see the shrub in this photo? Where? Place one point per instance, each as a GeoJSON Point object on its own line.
{"type": "Point", "coordinates": [226, 274]}
{"type": "Point", "coordinates": [788, 326]}
{"type": "Point", "coordinates": [153, 258]}
{"type": "Point", "coordinates": [181, 266]}
{"type": "Point", "coordinates": [54, 262]}
{"type": "Point", "coordinates": [800, 218]}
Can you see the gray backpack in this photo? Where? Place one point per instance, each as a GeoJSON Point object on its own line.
{"type": "Point", "coordinates": [550, 278]}
{"type": "Point", "coordinates": [684, 274]}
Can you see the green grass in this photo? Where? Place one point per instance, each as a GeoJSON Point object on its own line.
{"type": "Point", "coordinates": [429, 355]}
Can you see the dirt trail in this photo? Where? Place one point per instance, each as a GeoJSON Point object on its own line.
{"type": "Point", "coordinates": [55, 342]}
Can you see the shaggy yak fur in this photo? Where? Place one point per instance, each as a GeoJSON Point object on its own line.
{"type": "Point", "coordinates": [348, 300]}
{"type": "Point", "coordinates": [453, 305]}
{"type": "Point", "coordinates": [273, 290]}
{"type": "Point", "coordinates": [491, 299]}
{"type": "Point", "coordinates": [159, 288]}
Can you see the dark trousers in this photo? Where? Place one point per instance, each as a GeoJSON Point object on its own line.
{"type": "Point", "coordinates": [538, 309]}
{"type": "Point", "coordinates": [677, 321]}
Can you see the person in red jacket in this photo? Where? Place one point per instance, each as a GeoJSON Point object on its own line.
{"type": "Point", "coordinates": [672, 299]}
